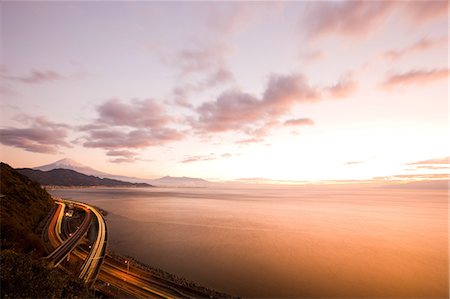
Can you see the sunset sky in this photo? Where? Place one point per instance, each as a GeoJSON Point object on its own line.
{"type": "Point", "coordinates": [238, 90]}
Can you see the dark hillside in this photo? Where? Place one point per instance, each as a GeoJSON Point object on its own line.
{"type": "Point", "coordinates": [24, 204]}
{"type": "Point", "coordinates": [67, 177]}
{"type": "Point", "coordinates": [23, 273]}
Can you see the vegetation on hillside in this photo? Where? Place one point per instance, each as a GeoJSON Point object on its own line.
{"type": "Point", "coordinates": [23, 276]}
{"type": "Point", "coordinates": [24, 204]}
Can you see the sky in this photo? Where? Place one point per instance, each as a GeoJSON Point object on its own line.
{"type": "Point", "coordinates": [287, 91]}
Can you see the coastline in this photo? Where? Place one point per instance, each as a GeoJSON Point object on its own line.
{"type": "Point", "coordinates": [177, 281]}
{"type": "Point", "coordinates": [154, 276]}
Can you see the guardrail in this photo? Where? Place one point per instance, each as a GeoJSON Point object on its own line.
{"type": "Point", "coordinates": [58, 255]}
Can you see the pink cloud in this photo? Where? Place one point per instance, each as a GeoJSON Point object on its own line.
{"type": "Point", "coordinates": [254, 116]}
{"type": "Point", "coordinates": [250, 140]}
{"type": "Point", "coordinates": [182, 92]}
{"type": "Point", "coordinates": [201, 58]}
{"type": "Point", "coordinates": [221, 75]}
{"type": "Point", "coordinates": [42, 135]}
{"type": "Point", "coordinates": [236, 110]}
{"type": "Point", "coordinates": [209, 157]}
{"type": "Point", "coordinates": [198, 158]}
{"type": "Point", "coordinates": [432, 161]}
{"type": "Point", "coordinates": [136, 113]}
{"type": "Point", "coordinates": [424, 11]}
{"type": "Point", "coordinates": [416, 176]}
{"type": "Point", "coordinates": [419, 46]}
{"type": "Point", "coordinates": [413, 77]}
{"type": "Point", "coordinates": [343, 88]}
{"type": "Point", "coordinates": [140, 138]}
{"type": "Point", "coordinates": [359, 19]}
{"type": "Point", "coordinates": [122, 156]}
{"type": "Point", "coordinates": [350, 18]}
{"type": "Point", "coordinates": [299, 122]}
{"type": "Point", "coordinates": [123, 153]}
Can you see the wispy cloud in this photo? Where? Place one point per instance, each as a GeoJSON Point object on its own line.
{"type": "Point", "coordinates": [415, 77]}
{"type": "Point", "coordinates": [299, 122]}
{"type": "Point", "coordinates": [36, 77]}
{"type": "Point", "coordinates": [250, 141]}
{"type": "Point", "coordinates": [41, 135]}
{"type": "Point", "coordinates": [431, 161]}
{"type": "Point", "coordinates": [140, 138]}
{"type": "Point", "coordinates": [349, 18]}
{"type": "Point", "coordinates": [424, 11]}
{"type": "Point", "coordinates": [198, 158]}
{"type": "Point", "coordinates": [429, 176]}
{"type": "Point", "coordinates": [209, 157]}
{"type": "Point", "coordinates": [360, 19]}
{"type": "Point", "coordinates": [312, 56]}
{"type": "Point", "coordinates": [353, 162]}
{"type": "Point", "coordinates": [418, 46]}
{"type": "Point", "coordinates": [343, 88]}
{"type": "Point", "coordinates": [122, 156]}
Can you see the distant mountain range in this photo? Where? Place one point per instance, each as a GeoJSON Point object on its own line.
{"type": "Point", "coordinates": [180, 181]}
{"type": "Point", "coordinates": [164, 181]}
{"type": "Point", "coordinates": [68, 177]}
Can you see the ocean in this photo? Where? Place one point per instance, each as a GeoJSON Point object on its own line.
{"type": "Point", "coordinates": [285, 241]}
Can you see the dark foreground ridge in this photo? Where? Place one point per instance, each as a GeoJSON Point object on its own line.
{"type": "Point", "coordinates": [23, 211]}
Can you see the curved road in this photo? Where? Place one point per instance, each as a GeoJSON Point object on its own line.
{"type": "Point", "coordinates": [128, 281]}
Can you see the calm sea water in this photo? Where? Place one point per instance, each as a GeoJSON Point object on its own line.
{"type": "Point", "coordinates": [287, 241]}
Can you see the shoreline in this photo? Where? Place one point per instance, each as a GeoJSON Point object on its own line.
{"type": "Point", "coordinates": [174, 282]}
{"type": "Point", "coordinates": [171, 278]}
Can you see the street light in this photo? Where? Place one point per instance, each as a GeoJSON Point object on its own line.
{"type": "Point", "coordinates": [128, 266]}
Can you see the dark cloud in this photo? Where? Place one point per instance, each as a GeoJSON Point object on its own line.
{"type": "Point", "coordinates": [139, 138]}
{"type": "Point", "coordinates": [236, 110]}
{"type": "Point", "coordinates": [42, 135]}
{"type": "Point", "coordinates": [137, 113]}
{"type": "Point", "coordinates": [122, 156]}
{"type": "Point", "coordinates": [123, 153]}
{"type": "Point", "coordinates": [415, 77]}
{"type": "Point", "coordinates": [254, 116]}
